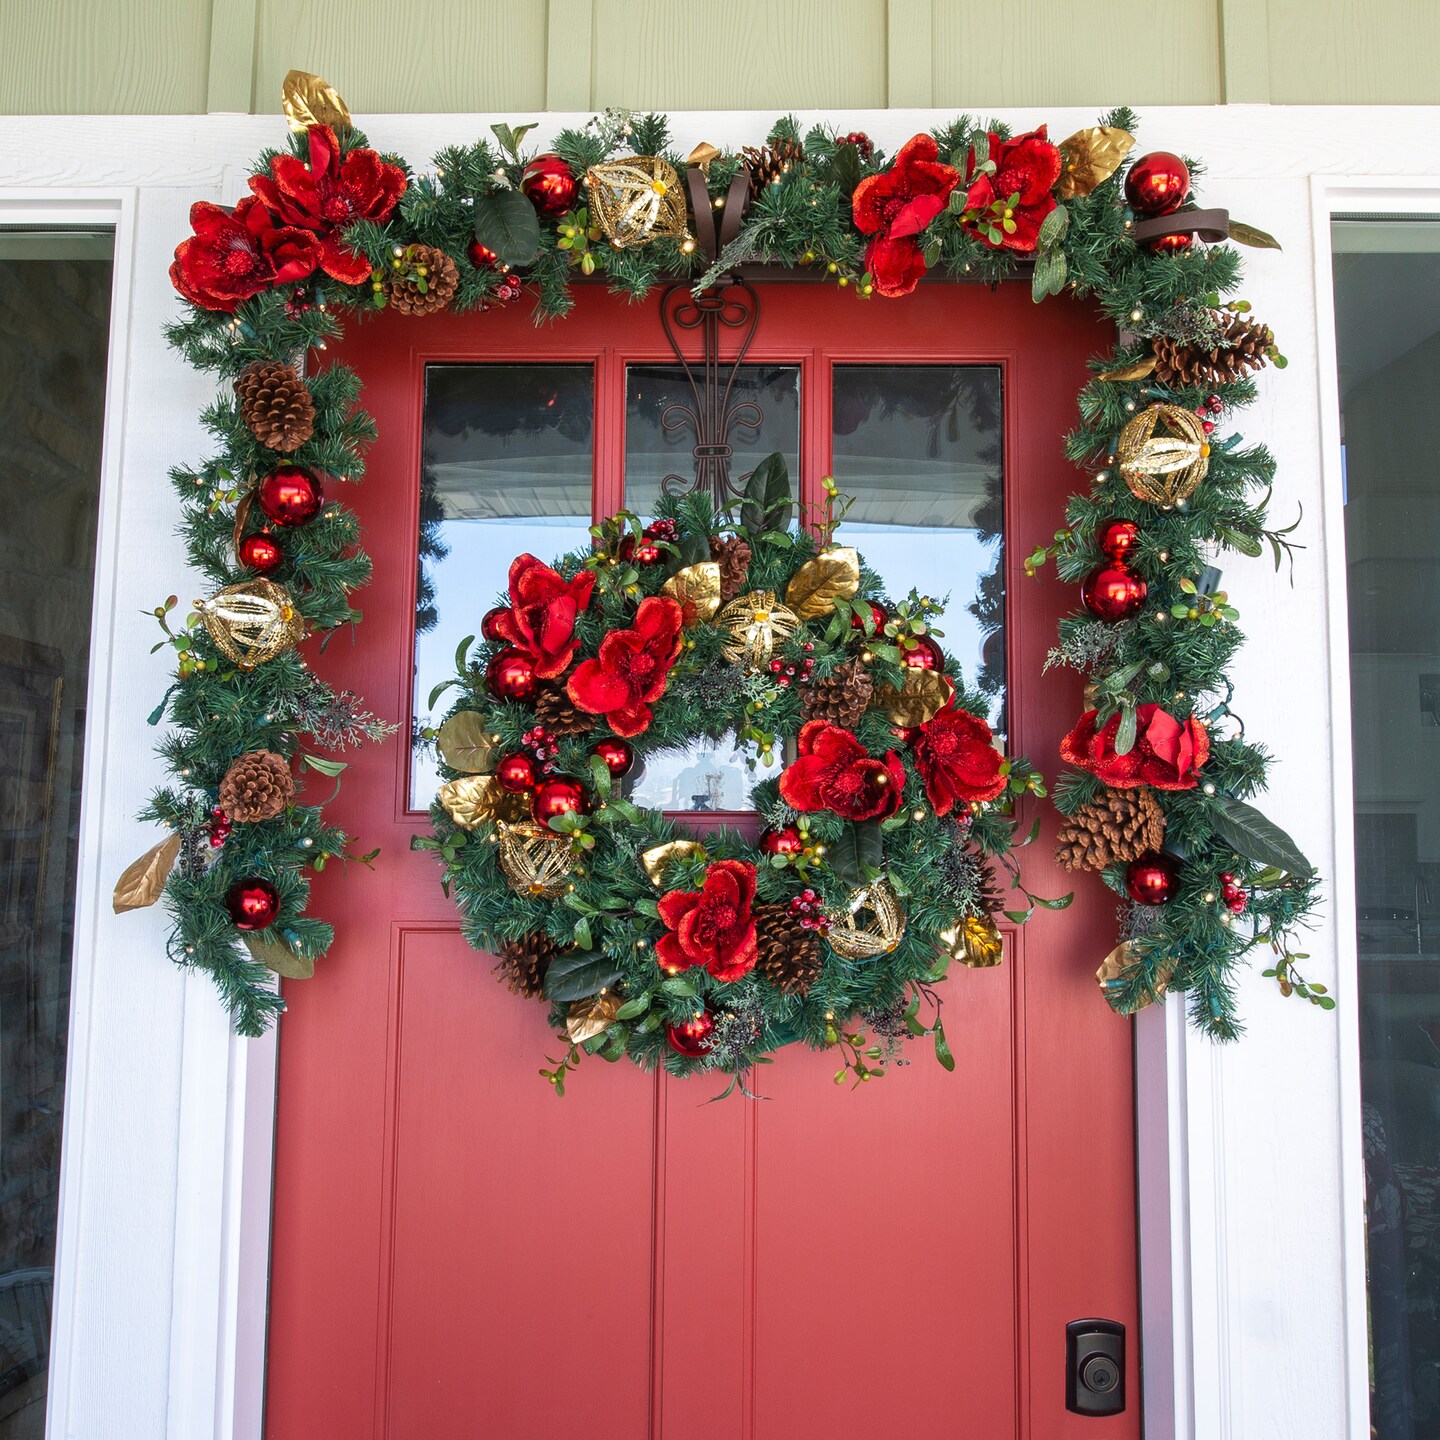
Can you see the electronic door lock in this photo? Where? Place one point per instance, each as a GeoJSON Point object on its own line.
{"type": "Point", "coordinates": [1095, 1367]}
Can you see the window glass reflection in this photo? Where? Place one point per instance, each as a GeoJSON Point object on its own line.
{"type": "Point", "coordinates": [506, 468]}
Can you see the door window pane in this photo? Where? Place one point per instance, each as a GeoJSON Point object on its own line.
{"type": "Point", "coordinates": [920, 447]}
{"type": "Point", "coordinates": [54, 323]}
{"type": "Point", "coordinates": [506, 468]}
{"type": "Point", "coordinates": [1387, 308]}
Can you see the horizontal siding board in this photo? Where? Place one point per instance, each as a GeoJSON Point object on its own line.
{"type": "Point", "coordinates": [1355, 52]}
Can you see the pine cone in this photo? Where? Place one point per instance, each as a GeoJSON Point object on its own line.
{"type": "Point", "coordinates": [275, 405]}
{"type": "Point", "coordinates": [257, 786]}
{"type": "Point", "coordinates": [440, 279]}
{"type": "Point", "coordinates": [558, 713]}
{"type": "Point", "coordinates": [1240, 348]}
{"type": "Point", "coordinates": [767, 164]}
{"type": "Point", "coordinates": [841, 697]}
{"type": "Point", "coordinates": [523, 963]}
{"type": "Point", "coordinates": [790, 956]}
{"type": "Point", "coordinates": [733, 555]}
{"type": "Point", "coordinates": [1113, 829]}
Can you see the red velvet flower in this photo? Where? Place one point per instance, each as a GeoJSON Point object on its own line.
{"type": "Point", "coordinates": [541, 619]}
{"type": "Point", "coordinates": [631, 669]}
{"type": "Point", "coordinates": [1005, 207]}
{"type": "Point", "coordinates": [235, 254]}
{"type": "Point", "coordinates": [956, 755]}
{"type": "Point", "coordinates": [834, 772]}
{"type": "Point", "coordinates": [1168, 753]}
{"type": "Point", "coordinates": [328, 194]}
{"type": "Point", "coordinates": [895, 206]}
{"type": "Point", "coordinates": [713, 926]}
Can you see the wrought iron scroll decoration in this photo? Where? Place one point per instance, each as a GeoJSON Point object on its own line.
{"type": "Point", "coordinates": [712, 415]}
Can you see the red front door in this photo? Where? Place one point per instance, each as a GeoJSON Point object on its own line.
{"type": "Point", "coordinates": [457, 1253]}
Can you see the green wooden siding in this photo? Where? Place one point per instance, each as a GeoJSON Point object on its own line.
{"type": "Point", "coordinates": [193, 56]}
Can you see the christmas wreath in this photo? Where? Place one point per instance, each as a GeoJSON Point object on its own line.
{"type": "Point", "coordinates": [874, 869]}
{"type": "Point", "coordinates": [1158, 799]}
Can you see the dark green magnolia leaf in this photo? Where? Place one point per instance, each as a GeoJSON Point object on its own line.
{"type": "Point", "coordinates": [1249, 833]}
{"type": "Point", "coordinates": [577, 973]}
{"type": "Point", "coordinates": [505, 222]}
{"type": "Point", "coordinates": [768, 498]}
{"type": "Point", "coordinates": [859, 848]}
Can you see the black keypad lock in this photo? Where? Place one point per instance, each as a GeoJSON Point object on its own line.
{"type": "Point", "coordinates": [1095, 1367]}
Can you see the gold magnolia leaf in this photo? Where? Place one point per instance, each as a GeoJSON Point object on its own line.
{"type": "Point", "coordinates": [464, 742]}
{"type": "Point", "coordinates": [588, 1018]}
{"type": "Point", "coordinates": [1138, 371]}
{"type": "Point", "coordinates": [834, 574]}
{"type": "Point", "coordinates": [1251, 235]}
{"type": "Point", "coordinates": [280, 958]}
{"type": "Point", "coordinates": [704, 155]}
{"type": "Point", "coordinates": [143, 882]}
{"type": "Point", "coordinates": [922, 697]}
{"type": "Point", "coordinates": [1089, 158]}
{"type": "Point", "coordinates": [307, 100]}
{"type": "Point", "coordinates": [974, 941]}
{"type": "Point", "coordinates": [696, 589]}
{"type": "Point", "coordinates": [474, 799]}
{"type": "Point", "coordinates": [1122, 958]}
{"type": "Point", "coordinates": [657, 857]}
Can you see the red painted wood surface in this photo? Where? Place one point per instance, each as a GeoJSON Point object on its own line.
{"type": "Point", "coordinates": [458, 1254]}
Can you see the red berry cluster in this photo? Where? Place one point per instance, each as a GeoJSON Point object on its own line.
{"type": "Point", "coordinates": [811, 910]}
{"type": "Point", "coordinates": [1235, 896]}
{"type": "Point", "coordinates": [219, 828]}
{"type": "Point", "coordinates": [860, 140]}
{"type": "Point", "coordinates": [541, 744]}
{"type": "Point", "coordinates": [298, 304]}
{"type": "Point", "coordinates": [1212, 406]}
{"type": "Point", "coordinates": [647, 551]}
{"type": "Point", "coordinates": [509, 288]}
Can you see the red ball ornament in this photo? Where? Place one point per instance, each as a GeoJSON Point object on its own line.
{"type": "Point", "coordinates": [1118, 538]}
{"type": "Point", "coordinates": [1172, 244]}
{"type": "Point", "coordinates": [1113, 592]}
{"type": "Point", "coordinates": [1157, 183]}
{"type": "Point", "coordinates": [516, 773]}
{"type": "Point", "coordinates": [290, 495]}
{"type": "Point", "coordinates": [785, 841]}
{"type": "Point", "coordinates": [1152, 879]}
{"type": "Point", "coordinates": [260, 552]}
{"type": "Point", "coordinates": [488, 621]}
{"type": "Point", "coordinates": [617, 755]}
{"type": "Point", "coordinates": [482, 257]}
{"type": "Point", "coordinates": [648, 554]}
{"type": "Point", "coordinates": [926, 655]}
{"type": "Point", "coordinates": [253, 903]}
{"type": "Point", "coordinates": [689, 1037]}
{"type": "Point", "coordinates": [558, 797]}
{"type": "Point", "coordinates": [878, 617]}
{"type": "Point", "coordinates": [511, 676]}
{"type": "Point", "coordinates": [549, 186]}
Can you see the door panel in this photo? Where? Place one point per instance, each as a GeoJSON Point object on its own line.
{"type": "Point", "coordinates": [458, 1253]}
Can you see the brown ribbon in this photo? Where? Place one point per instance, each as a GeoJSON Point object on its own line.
{"type": "Point", "coordinates": [715, 229]}
{"type": "Point", "coordinates": [1209, 225]}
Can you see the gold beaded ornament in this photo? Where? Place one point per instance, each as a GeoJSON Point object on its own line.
{"type": "Point", "coordinates": [637, 199]}
{"type": "Point", "coordinates": [755, 622]}
{"type": "Point", "coordinates": [872, 923]}
{"type": "Point", "coordinates": [536, 861]}
{"type": "Point", "coordinates": [1163, 454]}
{"type": "Point", "coordinates": [252, 622]}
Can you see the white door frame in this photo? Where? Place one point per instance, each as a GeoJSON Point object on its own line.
{"type": "Point", "coordinates": [1251, 1204]}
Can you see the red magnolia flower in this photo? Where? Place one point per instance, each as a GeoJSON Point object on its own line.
{"type": "Point", "coordinates": [328, 194]}
{"type": "Point", "coordinates": [236, 254]}
{"type": "Point", "coordinates": [834, 772]}
{"type": "Point", "coordinates": [632, 668]}
{"type": "Point", "coordinates": [895, 206]}
{"type": "Point", "coordinates": [1168, 753]}
{"type": "Point", "coordinates": [541, 619]}
{"type": "Point", "coordinates": [1005, 207]}
{"type": "Point", "coordinates": [713, 926]}
{"type": "Point", "coordinates": [957, 758]}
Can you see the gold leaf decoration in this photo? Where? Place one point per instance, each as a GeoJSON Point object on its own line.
{"type": "Point", "coordinates": [536, 861]}
{"type": "Point", "coordinates": [974, 941]}
{"type": "Point", "coordinates": [1090, 157]}
{"type": "Point", "coordinates": [1138, 371]}
{"type": "Point", "coordinates": [872, 924]}
{"type": "Point", "coordinates": [279, 957]}
{"type": "Point", "coordinates": [1163, 454]}
{"type": "Point", "coordinates": [696, 589]}
{"type": "Point", "coordinates": [143, 882]}
{"type": "Point", "coordinates": [1122, 958]}
{"type": "Point", "coordinates": [834, 574]}
{"type": "Point", "coordinates": [464, 743]}
{"type": "Point", "coordinates": [657, 857]}
{"type": "Point", "coordinates": [1253, 236]}
{"type": "Point", "coordinates": [636, 199]}
{"type": "Point", "coordinates": [755, 622]}
{"type": "Point", "coordinates": [588, 1018]}
{"type": "Point", "coordinates": [704, 155]}
{"type": "Point", "coordinates": [307, 100]}
{"type": "Point", "coordinates": [252, 622]}
{"type": "Point", "coordinates": [922, 697]}
{"type": "Point", "coordinates": [475, 799]}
